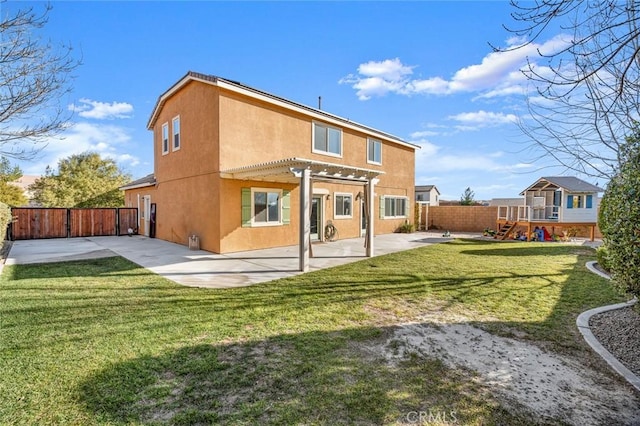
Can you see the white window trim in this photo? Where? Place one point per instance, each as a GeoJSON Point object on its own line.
{"type": "Point", "coordinates": [369, 161]}
{"type": "Point", "coordinates": [395, 197]}
{"type": "Point", "coordinates": [162, 139]}
{"type": "Point", "coordinates": [173, 133]}
{"type": "Point", "coordinates": [313, 140]}
{"type": "Point", "coordinates": [335, 205]}
{"type": "Point", "coordinates": [255, 224]}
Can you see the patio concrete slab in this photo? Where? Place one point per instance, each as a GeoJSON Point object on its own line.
{"type": "Point", "coordinates": [199, 268]}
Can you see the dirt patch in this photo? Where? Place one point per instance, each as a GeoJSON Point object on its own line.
{"type": "Point", "coordinates": [549, 385]}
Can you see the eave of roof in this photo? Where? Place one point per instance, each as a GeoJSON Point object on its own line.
{"type": "Point", "coordinates": [570, 183]}
{"type": "Point", "coordinates": [272, 99]}
{"type": "Point", "coordinates": [143, 182]}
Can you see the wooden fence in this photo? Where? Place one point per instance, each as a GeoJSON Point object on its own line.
{"type": "Point", "coordinates": [35, 222]}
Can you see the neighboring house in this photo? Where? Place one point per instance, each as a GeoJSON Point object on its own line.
{"type": "Point", "coordinates": [24, 183]}
{"type": "Point", "coordinates": [242, 169]}
{"type": "Point", "coordinates": [561, 200]}
{"type": "Point", "coordinates": [428, 194]}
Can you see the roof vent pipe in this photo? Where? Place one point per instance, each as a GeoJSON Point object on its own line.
{"type": "Point", "coordinates": [319, 102]}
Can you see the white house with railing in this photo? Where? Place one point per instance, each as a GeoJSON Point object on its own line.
{"type": "Point", "coordinates": [561, 200]}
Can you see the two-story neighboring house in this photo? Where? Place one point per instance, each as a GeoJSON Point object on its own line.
{"type": "Point", "coordinates": [563, 201]}
{"type": "Point", "coordinates": [242, 169]}
{"type": "Point", "coordinates": [428, 194]}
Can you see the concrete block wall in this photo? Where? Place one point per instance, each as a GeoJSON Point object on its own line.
{"type": "Point", "coordinates": [462, 218]}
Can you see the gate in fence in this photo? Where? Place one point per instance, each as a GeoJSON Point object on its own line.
{"type": "Point", "coordinates": [40, 222]}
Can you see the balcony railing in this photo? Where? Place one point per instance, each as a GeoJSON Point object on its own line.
{"type": "Point", "coordinates": [528, 213]}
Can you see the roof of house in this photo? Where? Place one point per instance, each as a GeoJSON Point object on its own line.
{"type": "Point", "coordinates": [148, 180]}
{"type": "Point", "coordinates": [267, 97]}
{"type": "Point", "coordinates": [426, 188]}
{"type": "Point", "coordinates": [25, 181]}
{"type": "Point", "coordinates": [506, 202]}
{"type": "Point", "coordinates": [569, 183]}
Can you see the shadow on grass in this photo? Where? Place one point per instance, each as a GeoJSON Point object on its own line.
{"type": "Point", "coordinates": [306, 378]}
{"type": "Point", "coordinates": [73, 268]}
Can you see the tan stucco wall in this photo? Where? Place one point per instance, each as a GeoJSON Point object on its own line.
{"type": "Point", "coordinates": [192, 198]}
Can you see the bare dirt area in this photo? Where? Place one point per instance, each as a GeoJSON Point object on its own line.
{"type": "Point", "coordinates": [551, 386]}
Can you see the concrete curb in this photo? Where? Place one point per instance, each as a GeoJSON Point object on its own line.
{"type": "Point", "coordinates": [583, 325]}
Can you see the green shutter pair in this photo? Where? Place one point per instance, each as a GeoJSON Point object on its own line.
{"type": "Point", "coordinates": [246, 207]}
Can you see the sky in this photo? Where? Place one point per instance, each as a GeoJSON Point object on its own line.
{"type": "Point", "coordinates": [424, 71]}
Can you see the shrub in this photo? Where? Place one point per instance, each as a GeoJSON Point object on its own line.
{"type": "Point", "coordinates": [619, 219]}
{"type": "Point", "coordinates": [602, 255]}
{"type": "Point", "coordinates": [5, 218]}
{"type": "Point", "coordinates": [406, 228]}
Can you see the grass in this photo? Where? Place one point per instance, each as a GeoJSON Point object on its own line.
{"type": "Point", "coordinates": [107, 342]}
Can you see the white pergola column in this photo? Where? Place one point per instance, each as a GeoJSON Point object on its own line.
{"type": "Point", "coordinates": [370, 228]}
{"type": "Point", "coordinates": [305, 218]}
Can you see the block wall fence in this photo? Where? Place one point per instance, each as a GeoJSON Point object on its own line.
{"type": "Point", "coordinates": [471, 219]}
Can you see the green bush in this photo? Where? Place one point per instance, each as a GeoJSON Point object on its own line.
{"type": "Point", "coordinates": [406, 228]}
{"type": "Point", "coordinates": [5, 218]}
{"type": "Point", "coordinates": [619, 219]}
{"type": "Point", "coordinates": [602, 255]}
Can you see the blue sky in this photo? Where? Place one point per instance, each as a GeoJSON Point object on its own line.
{"type": "Point", "coordinates": [423, 71]}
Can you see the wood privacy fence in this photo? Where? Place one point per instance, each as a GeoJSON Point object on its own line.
{"type": "Point", "coordinates": [35, 222]}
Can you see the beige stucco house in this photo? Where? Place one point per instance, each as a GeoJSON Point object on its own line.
{"type": "Point", "coordinates": [243, 169]}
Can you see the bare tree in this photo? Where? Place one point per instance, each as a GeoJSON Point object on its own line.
{"type": "Point", "coordinates": [34, 75]}
{"type": "Point", "coordinates": [586, 97]}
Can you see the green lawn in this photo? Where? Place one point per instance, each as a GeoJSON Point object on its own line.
{"type": "Point", "coordinates": [107, 342]}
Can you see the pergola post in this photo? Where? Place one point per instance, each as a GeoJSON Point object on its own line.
{"type": "Point", "coordinates": [370, 228]}
{"type": "Point", "coordinates": [305, 218]}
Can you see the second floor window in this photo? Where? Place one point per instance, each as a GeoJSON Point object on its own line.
{"type": "Point", "coordinates": [374, 151]}
{"type": "Point", "coordinates": [176, 133]}
{"type": "Point", "coordinates": [327, 140]}
{"type": "Point", "coordinates": [165, 138]}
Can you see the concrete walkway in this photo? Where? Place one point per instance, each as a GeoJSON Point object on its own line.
{"type": "Point", "coordinates": [204, 269]}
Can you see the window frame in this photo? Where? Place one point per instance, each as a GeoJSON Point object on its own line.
{"type": "Point", "coordinates": [327, 127]}
{"type": "Point", "coordinates": [164, 139]}
{"type": "Point", "coordinates": [395, 199]}
{"type": "Point", "coordinates": [374, 142]}
{"type": "Point", "coordinates": [174, 134]}
{"type": "Point", "coordinates": [585, 201]}
{"type": "Point", "coordinates": [268, 191]}
{"type": "Point", "coordinates": [336, 215]}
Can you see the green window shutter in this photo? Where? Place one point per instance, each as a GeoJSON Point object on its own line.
{"type": "Point", "coordinates": [382, 201]}
{"type": "Point", "coordinates": [286, 207]}
{"type": "Point", "coordinates": [570, 202]}
{"type": "Point", "coordinates": [246, 207]}
{"type": "Point", "coordinates": [589, 201]}
{"type": "Point", "coordinates": [406, 207]}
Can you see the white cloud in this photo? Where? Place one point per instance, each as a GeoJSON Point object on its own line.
{"type": "Point", "coordinates": [107, 140]}
{"type": "Point", "coordinates": [498, 74]}
{"type": "Point", "coordinates": [102, 110]}
{"type": "Point", "coordinates": [484, 118]}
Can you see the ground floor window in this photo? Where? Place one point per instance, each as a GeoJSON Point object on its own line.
{"type": "Point", "coordinates": [343, 206]}
{"type": "Point", "coordinates": [264, 207]}
{"type": "Point", "coordinates": [393, 207]}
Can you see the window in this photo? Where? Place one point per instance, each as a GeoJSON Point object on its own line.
{"type": "Point", "coordinates": [374, 151]}
{"type": "Point", "coordinates": [343, 206]}
{"type": "Point", "coordinates": [165, 138]}
{"type": "Point", "coordinates": [391, 207]}
{"type": "Point", "coordinates": [580, 201]}
{"type": "Point", "coordinates": [265, 207]}
{"type": "Point", "coordinates": [327, 140]}
{"type": "Point", "coordinates": [175, 124]}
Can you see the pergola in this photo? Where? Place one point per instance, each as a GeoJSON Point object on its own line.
{"type": "Point", "coordinates": [304, 172]}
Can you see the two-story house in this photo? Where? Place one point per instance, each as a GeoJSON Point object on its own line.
{"type": "Point", "coordinates": [243, 169]}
